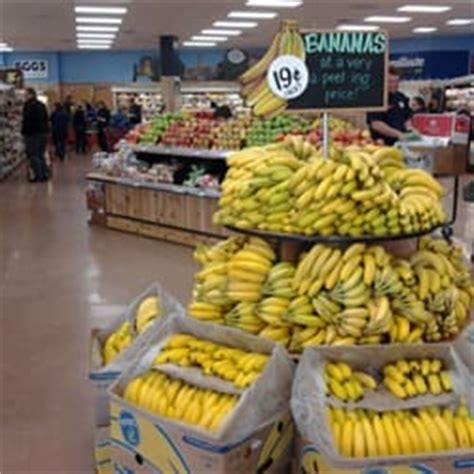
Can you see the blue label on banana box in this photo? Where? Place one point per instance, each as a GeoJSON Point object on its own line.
{"type": "Point", "coordinates": [129, 427]}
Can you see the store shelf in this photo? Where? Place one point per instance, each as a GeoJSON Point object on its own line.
{"type": "Point", "coordinates": [171, 188]}
{"type": "Point", "coordinates": [181, 152]}
{"type": "Point", "coordinates": [334, 239]}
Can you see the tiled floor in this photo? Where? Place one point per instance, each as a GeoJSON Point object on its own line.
{"type": "Point", "coordinates": [57, 276]}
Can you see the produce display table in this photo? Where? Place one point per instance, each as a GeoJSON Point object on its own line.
{"type": "Point", "coordinates": [162, 211]}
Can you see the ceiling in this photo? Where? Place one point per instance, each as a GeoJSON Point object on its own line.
{"type": "Point", "coordinates": [49, 24]}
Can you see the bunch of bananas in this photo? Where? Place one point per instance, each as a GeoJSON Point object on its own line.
{"type": "Point", "coordinates": [234, 272]}
{"type": "Point", "coordinates": [148, 310]}
{"type": "Point", "coordinates": [407, 379]}
{"type": "Point", "coordinates": [177, 400]}
{"type": "Point", "coordinates": [346, 384]}
{"type": "Point", "coordinates": [233, 365]}
{"type": "Point", "coordinates": [360, 295]}
{"type": "Point", "coordinates": [367, 434]}
{"type": "Point", "coordinates": [289, 187]}
{"type": "Point", "coordinates": [255, 88]}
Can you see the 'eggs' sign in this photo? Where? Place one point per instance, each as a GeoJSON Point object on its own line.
{"type": "Point", "coordinates": [33, 68]}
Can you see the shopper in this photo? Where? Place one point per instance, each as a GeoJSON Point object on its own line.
{"type": "Point", "coordinates": [134, 113]}
{"type": "Point", "coordinates": [392, 124]}
{"type": "Point", "coordinates": [120, 121]}
{"type": "Point", "coordinates": [35, 131]}
{"type": "Point", "coordinates": [103, 120]}
{"type": "Point", "coordinates": [79, 123]}
{"type": "Point", "coordinates": [59, 127]}
{"type": "Point", "coordinates": [91, 115]}
{"type": "Point", "coordinates": [418, 105]}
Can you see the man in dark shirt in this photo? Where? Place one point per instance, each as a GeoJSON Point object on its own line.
{"type": "Point", "coordinates": [392, 124]}
{"type": "Point", "coordinates": [134, 113]}
{"type": "Point", "coordinates": [103, 120]}
{"type": "Point", "coordinates": [35, 131]}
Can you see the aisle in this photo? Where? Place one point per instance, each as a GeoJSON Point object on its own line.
{"type": "Point", "coordinates": [58, 274]}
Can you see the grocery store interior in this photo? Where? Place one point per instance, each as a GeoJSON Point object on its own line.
{"type": "Point", "coordinates": [236, 236]}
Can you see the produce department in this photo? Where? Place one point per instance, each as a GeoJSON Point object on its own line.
{"type": "Point", "coordinates": [250, 248]}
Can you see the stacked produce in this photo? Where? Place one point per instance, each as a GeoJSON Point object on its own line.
{"type": "Point", "coordinates": [178, 400]}
{"type": "Point", "coordinates": [255, 87]}
{"type": "Point", "coordinates": [148, 310]}
{"type": "Point", "coordinates": [360, 295]}
{"type": "Point", "coordinates": [363, 433]}
{"type": "Point", "coordinates": [346, 384]}
{"type": "Point", "coordinates": [193, 132]}
{"type": "Point", "coordinates": [227, 363]}
{"type": "Point", "coordinates": [264, 132]}
{"type": "Point", "coordinates": [230, 134]}
{"type": "Point", "coordinates": [289, 187]}
{"type": "Point", "coordinates": [154, 131]}
{"type": "Point", "coordinates": [407, 379]}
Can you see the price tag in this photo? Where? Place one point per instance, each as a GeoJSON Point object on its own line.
{"type": "Point", "coordinates": [288, 77]}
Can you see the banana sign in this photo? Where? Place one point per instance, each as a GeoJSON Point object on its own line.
{"type": "Point", "coordinates": [320, 71]}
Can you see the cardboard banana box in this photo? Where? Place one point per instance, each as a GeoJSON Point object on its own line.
{"type": "Point", "coordinates": [103, 373]}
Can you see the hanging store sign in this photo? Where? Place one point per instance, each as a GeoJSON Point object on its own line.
{"type": "Point", "coordinates": [33, 68]}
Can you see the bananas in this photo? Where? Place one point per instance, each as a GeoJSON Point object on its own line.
{"type": "Point", "coordinates": [407, 379]}
{"type": "Point", "coordinates": [254, 81]}
{"type": "Point", "coordinates": [356, 192]}
{"type": "Point", "coordinates": [367, 434]}
{"type": "Point", "coordinates": [230, 364]}
{"type": "Point", "coordinates": [345, 384]}
{"type": "Point", "coordinates": [177, 400]}
{"type": "Point", "coordinates": [147, 311]}
{"type": "Point", "coordinates": [334, 296]}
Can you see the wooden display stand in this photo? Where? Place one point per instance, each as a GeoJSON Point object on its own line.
{"type": "Point", "coordinates": [154, 211]}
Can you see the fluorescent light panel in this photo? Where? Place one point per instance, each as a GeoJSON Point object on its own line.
{"type": "Point", "coordinates": [3, 45]}
{"type": "Point", "coordinates": [460, 21]}
{"type": "Point", "coordinates": [94, 41]}
{"type": "Point", "coordinates": [253, 15]}
{"type": "Point", "coordinates": [235, 24]}
{"type": "Point", "coordinates": [388, 19]}
{"type": "Point", "coordinates": [101, 10]}
{"type": "Point", "coordinates": [5, 49]}
{"type": "Point", "coordinates": [424, 29]}
{"type": "Point", "coordinates": [275, 3]}
{"type": "Point", "coordinates": [98, 20]}
{"type": "Point", "coordinates": [358, 27]}
{"type": "Point", "coordinates": [221, 32]}
{"type": "Point", "coordinates": [424, 9]}
{"type": "Point", "coordinates": [198, 44]}
{"type": "Point", "coordinates": [93, 46]}
{"type": "Point", "coordinates": [95, 35]}
{"type": "Point", "coordinates": [209, 38]}
{"type": "Point", "coordinates": [98, 29]}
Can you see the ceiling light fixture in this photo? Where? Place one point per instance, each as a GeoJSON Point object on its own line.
{"type": "Point", "coordinates": [96, 35]}
{"type": "Point", "coordinates": [3, 45]}
{"type": "Point", "coordinates": [424, 29]}
{"type": "Point", "coordinates": [388, 19]}
{"type": "Point", "coordinates": [5, 48]}
{"type": "Point", "coordinates": [94, 41]}
{"type": "Point", "coordinates": [98, 29]}
{"type": "Point", "coordinates": [221, 32]}
{"type": "Point", "coordinates": [99, 20]}
{"type": "Point", "coordinates": [460, 21]}
{"type": "Point", "coordinates": [424, 9]}
{"type": "Point", "coordinates": [357, 27]}
{"type": "Point", "coordinates": [253, 15]}
{"type": "Point", "coordinates": [235, 24]}
{"type": "Point", "coordinates": [209, 38]}
{"type": "Point", "coordinates": [101, 10]}
{"type": "Point", "coordinates": [94, 46]}
{"type": "Point", "coordinates": [198, 44]}
{"type": "Point", "coordinates": [275, 3]}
